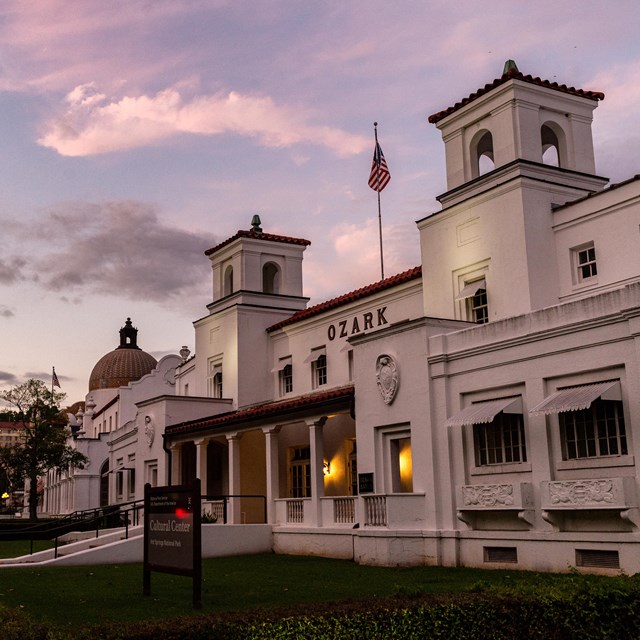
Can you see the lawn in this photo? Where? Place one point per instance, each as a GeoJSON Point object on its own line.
{"type": "Point", "coordinates": [17, 548]}
{"type": "Point", "coordinates": [92, 594]}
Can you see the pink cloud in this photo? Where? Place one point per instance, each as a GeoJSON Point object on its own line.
{"type": "Point", "coordinates": [92, 124]}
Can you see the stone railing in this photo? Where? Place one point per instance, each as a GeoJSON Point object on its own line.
{"type": "Point", "coordinates": [375, 511]}
{"type": "Point", "coordinates": [344, 510]}
{"type": "Point", "coordinates": [295, 510]}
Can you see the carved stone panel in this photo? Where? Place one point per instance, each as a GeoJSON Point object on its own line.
{"type": "Point", "coordinates": [596, 493]}
{"type": "Point", "coordinates": [487, 496]}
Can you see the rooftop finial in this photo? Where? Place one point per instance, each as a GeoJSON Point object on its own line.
{"type": "Point", "coordinates": [128, 336]}
{"type": "Point", "coordinates": [510, 67]}
{"type": "Point", "coordinates": [255, 224]}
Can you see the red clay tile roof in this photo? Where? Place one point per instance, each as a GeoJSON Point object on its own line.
{"type": "Point", "coordinates": [258, 236]}
{"type": "Point", "coordinates": [352, 296]}
{"type": "Point", "coordinates": [10, 425]}
{"type": "Point", "coordinates": [514, 74]}
{"type": "Point", "coordinates": [271, 410]}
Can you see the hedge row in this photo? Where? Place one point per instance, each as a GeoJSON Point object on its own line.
{"type": "Point", "coordinates": [591, 612]}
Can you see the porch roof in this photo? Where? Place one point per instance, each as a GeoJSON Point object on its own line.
{"type": "Point", "coordinates": [299, 406]}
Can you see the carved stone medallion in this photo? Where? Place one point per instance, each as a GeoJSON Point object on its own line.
{"type": "Point", "coordinates": [387, 377]}
{"type": "Point", "coordinates": [149, 430]}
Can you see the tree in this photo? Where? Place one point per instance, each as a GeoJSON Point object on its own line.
{"type": "Point", "coordinates": [44, 443]}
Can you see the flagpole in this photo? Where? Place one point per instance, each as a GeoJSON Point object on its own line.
{"type": "Point", "coordinates": [375, 129]}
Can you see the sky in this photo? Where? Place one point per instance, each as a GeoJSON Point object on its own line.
{"type": "Point", "coordinates": [136, 134]}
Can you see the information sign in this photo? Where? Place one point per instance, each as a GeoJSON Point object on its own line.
{"type": "Point", "coordinates": [172, 534]}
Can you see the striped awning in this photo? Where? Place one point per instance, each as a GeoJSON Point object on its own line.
{"type": "Point", "coordinates": [485, 412]}
{"type": "Point", "coordinates": [578, 398]}
{"type": "Point", "coordinates": [471, 289]}
{"type": "Point", "coordinates": [315, 354]}
{"type": "Point", "coordinates": [282, 363]}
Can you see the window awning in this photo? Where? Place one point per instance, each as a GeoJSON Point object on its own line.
{"type": "Point", "coordinates": [578, 398]}
{"type": "Point", "coordinates": [485, 412]}
{"type": "Point", "coordinates": [315, 354]}
{"type": "Point", "coordinates": [471, 289]}
{"type": "Point", "coordinates": [282, 363]}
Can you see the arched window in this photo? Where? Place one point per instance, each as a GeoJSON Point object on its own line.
{"type": "Point", "coordinates": [482, 154]}
{"type": "Point", "coordinates": [319, 371]}
{"type": "Point", "coordinates": [286, 380]}
{"type": "Point", "coordinates": [217, 385]}
{"type": "Point", "coordinates": [271, 278]}
{"type": "Point", "coordinates": [552, 138]}
{"type": "Point", "coordinates": [228, 281]}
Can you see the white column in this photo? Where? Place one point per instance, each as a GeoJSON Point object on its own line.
{"type": "Point", "coordinates": [316, 445]}
{"type": "Point", "coordinates": [201, 463]}
{"type": "Point", "coordinates": [233, 509]}
{"type": "Point", "coordinates": [273, 471]}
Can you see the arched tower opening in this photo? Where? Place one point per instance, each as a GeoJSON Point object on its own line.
{"type": "Point", "coordinates": [482, 160]}
{"type": "Point", "coordinates": [270, 278]}
{"type": "Point", "coordinates": [228, 281]}
{"type": "Point", "coordinates": [554, 148]}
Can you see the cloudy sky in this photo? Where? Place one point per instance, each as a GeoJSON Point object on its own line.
{"type": "Point", "coordinates": [136, 134]}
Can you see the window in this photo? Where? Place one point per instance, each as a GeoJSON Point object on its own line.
{"type": "Point", "coordinates": [131, 488]}
{"type": "Point", "coordinates": [478, 308]}
{"type": "Point", "coordinates": [352, 465]}
{"type": "Point", "coordinates": [186, 389]}
{"type": "Point", "coordinates": [594, 432]}
{"type": "Point", "coordinates": [286, 379]}
{"type": "Point", "coordinates": [151, 472]}
{"type": "Point", "coordinates": [300, 472]}
{"type": "Point", "coordinates": [474, 296]}
{"type": "Point", "coordinates": [319, 371]}
{"type": "Point", "coordinates": [501, 441]}
{"type": "Point", "coordinates": [119, 479]}
{"type": "Point", "coordinates": [585, 264]}
{"type": "Point", "coordinates": [401, 465]}
{"type": "Point", "coordinates": [217, 385]}
{"type": "Point", "coordinates": [214, 379]}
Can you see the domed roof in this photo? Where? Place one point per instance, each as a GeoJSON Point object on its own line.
{"type": "Point", "coordinates": [122, 365]}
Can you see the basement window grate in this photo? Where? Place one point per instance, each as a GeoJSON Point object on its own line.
{"type": "Point", "coordinates": [601, 558]}
{"type": "Point", "coordinates": [501, 554]}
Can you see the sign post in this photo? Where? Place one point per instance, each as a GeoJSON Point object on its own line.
{"type": "Point", "coordinates": [172, 534]}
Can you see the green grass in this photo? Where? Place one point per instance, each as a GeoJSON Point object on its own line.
{"type": "Point", "coordinates": [17, 548]}
{"type": "Point", "coordinates": [93, 594]}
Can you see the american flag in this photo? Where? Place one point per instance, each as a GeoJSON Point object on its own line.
{"type": "Point", "coordinates": [380, 176]}
{"type": "Point", "coordinates": [54, 380]}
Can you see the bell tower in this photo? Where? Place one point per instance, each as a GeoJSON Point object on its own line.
{"type": "Point", "coordinates": [253, 264]}
{"type": "Point", "coordinates": [517, 117]}
{"type": "Point", "coordinates": [257, 282]}
{"type": "Point", "coordinates": [515, 149]}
